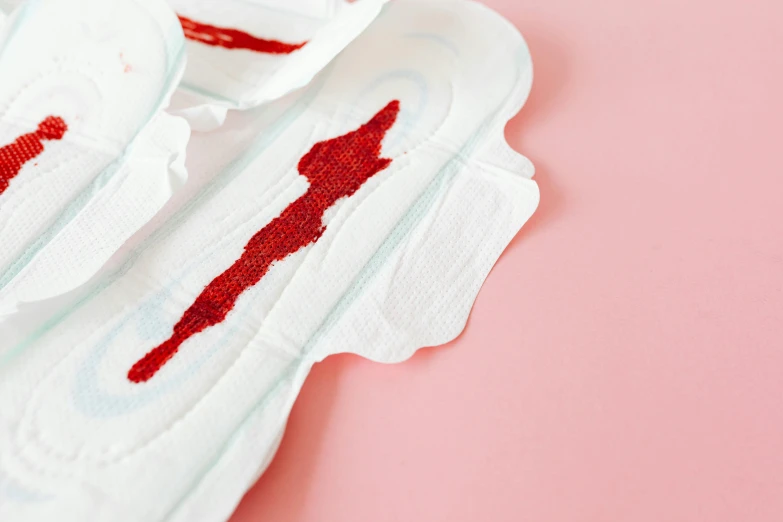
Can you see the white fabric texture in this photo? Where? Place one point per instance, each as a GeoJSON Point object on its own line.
{"type": "Point", "coordinates": [219, 78]}
{"type": "Point", "coordinates": [414, 109]}
{"type": "Point", "coordinates": [71, 206]}
{"type": "Point", "coordinates": [91, 212]}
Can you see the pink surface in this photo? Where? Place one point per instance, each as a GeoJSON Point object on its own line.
{"type": "Point", "coordinates": [624, 360]}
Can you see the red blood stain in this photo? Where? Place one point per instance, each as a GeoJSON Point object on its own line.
{"type": "Point", "coordinates": [26, 147]}
{"type": "Point", "coordinates": [335, 169]}
{"type": "Point", "coordinates": [233, 38]}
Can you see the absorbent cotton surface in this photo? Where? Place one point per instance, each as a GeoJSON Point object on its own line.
{"type": "Point", "coordinates": [359, 214]}
{"type": "Point", "coordinates": [243, 54]}
{"type": "Point", "coordinates": [103, 154]}
{"type": "Point", "coordinates": [87, 155]}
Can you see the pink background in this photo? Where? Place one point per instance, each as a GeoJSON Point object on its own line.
{"type": "Point", "coordinates": [624, 360]}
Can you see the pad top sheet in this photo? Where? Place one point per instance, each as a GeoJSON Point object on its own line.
{"type": "Point", "coordinates": [86, 154]}
{"type": "Point", "coordinates": [244, 54]}
{"type": "Point", "coordinates": [361, 214]}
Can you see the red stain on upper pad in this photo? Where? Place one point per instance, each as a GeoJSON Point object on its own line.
{"type": "Point", "coordinates": [233, 38]}
{"type": "Point", "coordinates": [26, 147]}
{"type": "Point", "coordinates": [335, 169]}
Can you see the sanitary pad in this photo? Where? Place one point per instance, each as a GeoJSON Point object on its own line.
{"type": "Point", "coordinates": [86, 154]}
{"type": "Point", "coordinates": [360, 214]}
{"type": "Point", "coordinates": [242, 54]}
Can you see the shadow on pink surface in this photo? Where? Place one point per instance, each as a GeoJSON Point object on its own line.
{"type": "Point", "coordinates": [290, 474]}
{"type": "Point", "coordinates": [550, 75]}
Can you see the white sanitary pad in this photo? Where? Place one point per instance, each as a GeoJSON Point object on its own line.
{"type": "Point", "coordinates": [360, 214]}
{"type": "Point", "coordinates": [242, 54]}
{"type": "Point", "coordinates": [86, 154]}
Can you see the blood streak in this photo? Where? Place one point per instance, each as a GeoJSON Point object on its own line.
{"type": "Point", "coordinates": [335, 169]}
{"type": "Point", "coordinates": [26, 147]}
{"type": "Point", "coordinates": [233, 38]}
